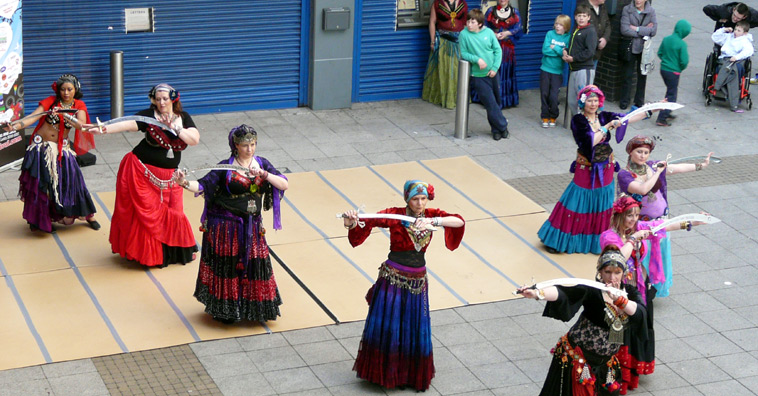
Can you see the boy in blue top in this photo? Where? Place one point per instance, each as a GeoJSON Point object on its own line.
{"type": "Point", "coordinates": [551, 71]}
{"type": "Point", "coordinates": [480, 47]}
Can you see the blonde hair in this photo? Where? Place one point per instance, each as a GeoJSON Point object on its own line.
{"type": "Point", "coordinates": [617, 220]}
{"type": "Point", "coordinates": [564, 20]}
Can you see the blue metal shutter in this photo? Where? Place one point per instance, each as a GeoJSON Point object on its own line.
{"type": "Point", "coordinates": [542, 15]}
{"type": "Point", "coordinates": [388, 64]}
{"type": "Point", "coordinates": [222, 56]}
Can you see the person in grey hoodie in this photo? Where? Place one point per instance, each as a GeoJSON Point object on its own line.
{"type": "Point", "coordinates": [637, 21]}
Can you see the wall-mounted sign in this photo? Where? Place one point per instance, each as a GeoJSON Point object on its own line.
{"type": "Point", "coordinates": [138, 20]}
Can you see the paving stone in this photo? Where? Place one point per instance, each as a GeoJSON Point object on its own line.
{"type": "Point", "coordinates": [322, 352]}
{"type": "Point", "coordinates": [745, 338]}
{"type": "Point", "coordinates": [477, 353]}
{"type": "Point", "coordinates": [348, 329]}
{"type": "Point", "coordinates": [445, 316]}
{"type": "Point", "coordinates": [731, 388]}
{"type": "Point", "coordinates": [303, 336]}
{"type": "Point", "coordinates": [262, 341]}
{"type": "Point", "coordinates": [335, 373]}
{"type": "Point", "coordinates": [227, 365]}
{"type": "Point", "coordinates": [293, 380]}
{"type": "Point", "coordinates": [21, 374]}
{"type": "Point", "coordinates": [500, 375]}
{"type": "Point", "coordinates": [273, 359]}
{"type": "Point", "coordinates": [216, 347]}
{"type": "Point", "coordinates": [84, 384]}
{"type": "Point", "coordinates": [477, 312]}
{"type": "Point", "coordinates": [456, 381]}
{"type": "Point", "coordinates": [699, 371]}
{"type": "Point", "coordinates": [244, 385]}
{"type": "Point", "coordinates": [498, 328]}
{"type": "Point", "coordinates": [456, 334]}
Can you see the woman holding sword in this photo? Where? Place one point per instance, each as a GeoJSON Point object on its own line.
{"type": "Point", "coordinates": [396, 346]}
{"type": "Point", "coordinates": [640, 244]}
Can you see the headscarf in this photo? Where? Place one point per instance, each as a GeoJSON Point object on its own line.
{"type": "Point", "coordinates": [611, 257]}
{"type": "Point", "coordinates": [417, 187]}
{"type": "Point", "coordinates": [589, 91]}
{"type": "Point", "coordinates": [639, 141]}
{"type": "Point", "coordinates": [625, 203]}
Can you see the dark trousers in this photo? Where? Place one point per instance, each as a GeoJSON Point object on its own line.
{"type": "Point", "coordinates": [630, 68]}
{"type": "Point", "coordinates": [488, 90]}
{"type": "Point", "coordinates": [671, 80]}
{"type": "Point", "coordinates": [549, 85]}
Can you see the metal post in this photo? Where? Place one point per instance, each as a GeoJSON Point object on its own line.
{"type": "Point", "coordinates": [117, 84]}
{"type": "Point", "coordinates": [461, 103]}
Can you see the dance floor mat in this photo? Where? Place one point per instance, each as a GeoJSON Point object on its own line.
{"type": "Point", "coordinates": [66, 296]}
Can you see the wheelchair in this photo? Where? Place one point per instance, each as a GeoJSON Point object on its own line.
{"type": "Point", "coordinates": [710, 72]}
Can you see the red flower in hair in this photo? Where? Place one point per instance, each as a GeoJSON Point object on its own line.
{"type": "Point", "coordinates": [430, 191]}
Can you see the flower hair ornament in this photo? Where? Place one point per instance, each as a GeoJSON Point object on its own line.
{"type": "Point", "coordinates": [590, 91]}
{"type": "Point", "coordinates": [68, 78]}
{"type": "Point", "coordinates": [625, 203]}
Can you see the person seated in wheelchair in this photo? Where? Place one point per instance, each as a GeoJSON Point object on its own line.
{"type": "Point", "coordinates": [736, 46]}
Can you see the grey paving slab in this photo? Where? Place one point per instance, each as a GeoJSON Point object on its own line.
{"type": "Point", "coordinates": [456, 381]}
{"type": "Point", "coordinates": [28, 388]}
{"type": "Point", "coordinates": [83, 384]}
{"type": "Point", "coordinates": [262, 341]}
{"type": "Point", "coordinates": [335, 373]}
{"type": "Point", "coordinates": [322, 352]}
{"type": "Point", "coordinates": [273, 359]}
{"type": "Point", "coordinates": [479, 353]}
{"type": "Point", "coordinates": [216, 347]}
{"type": "Point", "coordinates": [293, 380]}
{"type": "Point", "coordinates": [228, 364]}
{"type": "Point", "coordinates": [244, 385]}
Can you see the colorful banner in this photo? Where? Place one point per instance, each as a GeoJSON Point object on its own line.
{"type": "Point", "coordinates": [11, 80]}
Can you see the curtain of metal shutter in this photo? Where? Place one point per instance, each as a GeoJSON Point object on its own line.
{"type": "Point", "coordinates": [542, 15]}
{"type": "Point", "coordinates": [221, 56]}
{"type": "Point", "coordinates": [392, 63]}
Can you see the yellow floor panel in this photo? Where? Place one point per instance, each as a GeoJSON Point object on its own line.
{"type": "Point", "coordinates": [483, 187]}
{"type": "Point", "coordinates": [23, 251]}
{"type": "Point", "coordinates": [156, 308]}
{"type": "Point", "coordinates": [65, 316]}
{"type": "Point", "coordinates": [578, 265]}
{"type": "Point", "coordinates": [446, 197]}
{"type": "Point", "coordinates": [16, 341]}
{"type": "Point", "coordinates": [124, 293]}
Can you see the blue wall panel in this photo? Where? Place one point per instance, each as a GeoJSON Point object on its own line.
{"type": "Point", "coordinates": [222, 56]}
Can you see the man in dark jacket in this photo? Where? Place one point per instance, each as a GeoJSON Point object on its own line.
{"type": "Point", "coordinates": [728, 14]}
{"type": "Point", "coordinates": [580, 57]}
{"type": "Point", "coordinates": [599, 19]}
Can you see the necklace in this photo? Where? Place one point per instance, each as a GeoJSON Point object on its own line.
{"type": "Point", "coordinates": [616, 322]}
{"type": "Point", "coordinates": [66, 105]}
{"type": "Point", "coordinates": [241, 164]}
{"type": "Point", "coordinates": [638, 169]}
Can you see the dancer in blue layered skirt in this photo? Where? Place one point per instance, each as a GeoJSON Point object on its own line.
{"type": "Point", "coordinates": [396, 347]}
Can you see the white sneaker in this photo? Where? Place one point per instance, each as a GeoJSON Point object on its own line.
{"type": "Point", "coordinates": [545, 123]}
{"type": "Point", "coordinates": [552, 123]}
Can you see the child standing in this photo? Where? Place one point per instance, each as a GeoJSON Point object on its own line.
{"type": "Point", "coordinates": [580, 55]}
{"type": "Point", "coordinates": [551, 71]}
{"type": "Point", "coordinates": [736, 46]}
{"type": "Point", "coordinates": [674, 58]}
{"type": "Point", "coordinates": [480, 47]}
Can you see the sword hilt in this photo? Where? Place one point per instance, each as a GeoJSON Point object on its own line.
{"type": "Point", "coordinates": [100, 127]}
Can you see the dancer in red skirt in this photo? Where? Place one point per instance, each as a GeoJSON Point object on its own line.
{"type": "Point", "coordinates": [149, 225]}
{"type": "Point", "coordinates": [396, 347]}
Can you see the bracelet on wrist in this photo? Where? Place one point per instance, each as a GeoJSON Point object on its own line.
{"type": "Point", "coordinates": [689, 226]}
{"type": "Point", "coordinates": [699, 166]}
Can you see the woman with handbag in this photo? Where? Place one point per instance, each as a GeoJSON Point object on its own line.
{"type": "Point", "coordinates": [638, 24]}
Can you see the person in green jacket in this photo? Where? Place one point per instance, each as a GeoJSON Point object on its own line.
{"type": "Point", "coordinates": [551, 70]}
{"type": "Point", "coordinates": [674, 59]}
{"type": "Point", "coordinates": [480, 47]}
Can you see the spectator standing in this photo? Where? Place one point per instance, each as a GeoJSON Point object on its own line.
{"type": "Point", "coordinates": [505, 21]}
{"type": "Point", "coordinates": [551, 70]}
{"type": "Point", "coordinates": [674, 59]}
{"type": "Point", "coordinates": [580, 56]}
{"type": "Point", "coordinates": [728, 14]}
{"type": "Point", "coordinates": [638, 23]}
{"type": "Point", "coordinates": [446, 20]}
{"type": "Point", "coordinates": [602, 23]}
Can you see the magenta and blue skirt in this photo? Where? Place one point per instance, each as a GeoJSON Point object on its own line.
{"type": "Point", "coordinates": [235, 279]}
{"type": "Point", "coordinates": [583, 211]}
{"type": "Point", "coordinates": [52, 190]}
{"type": "Point", "coordinates": [396, 347]}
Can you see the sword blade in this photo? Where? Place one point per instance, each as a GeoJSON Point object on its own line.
{"type": "Point", "coordinates": [146, 120]}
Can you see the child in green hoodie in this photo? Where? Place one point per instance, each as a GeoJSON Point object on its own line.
{"type": "Point", "coordinates": [551, 70]}
{"type": "Point", "coordinates": [674, 59]}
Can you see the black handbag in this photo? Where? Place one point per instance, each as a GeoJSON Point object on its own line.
{"type": "Point", "coordinates": [625, 50]}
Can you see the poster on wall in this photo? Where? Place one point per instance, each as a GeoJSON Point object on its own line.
{"type": "Point", "coordinates": [11, 80]}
